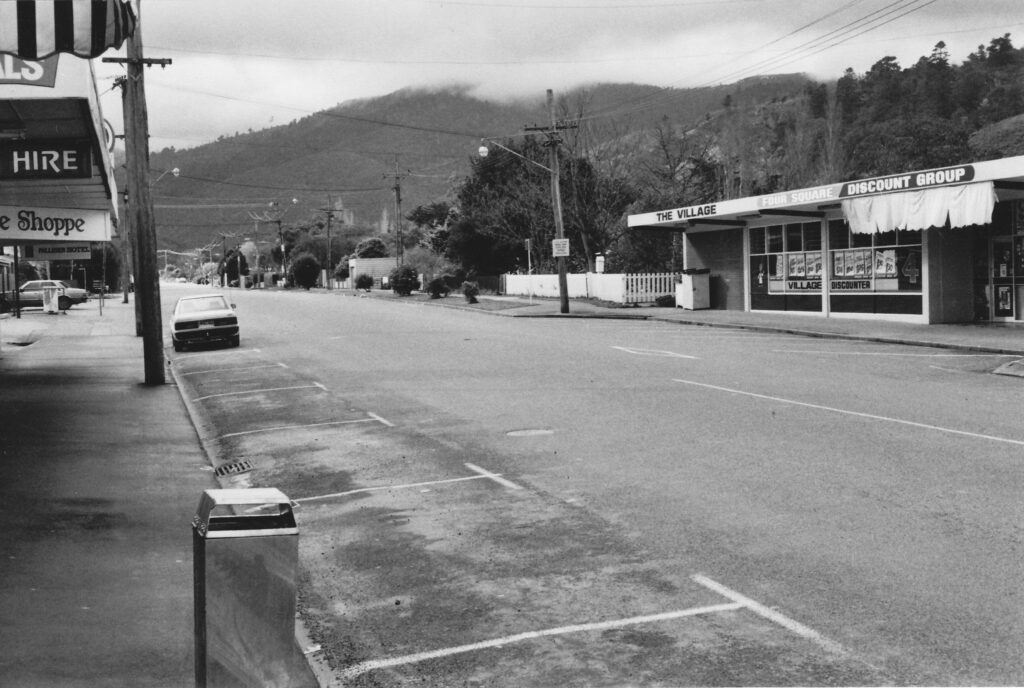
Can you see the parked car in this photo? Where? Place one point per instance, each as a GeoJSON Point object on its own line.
{"type": "Point", "coordinates": [30, 294]}
{"type": "Point", "coordinates": [204, 318]}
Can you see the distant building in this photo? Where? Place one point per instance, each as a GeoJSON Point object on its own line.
{"type": "Point", "coordinates": [942, 245]}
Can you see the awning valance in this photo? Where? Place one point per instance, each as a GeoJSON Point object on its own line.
{"type": "Point", "coordinates": [964, 205]}
{"type": "Point", "coordinates": [34, 29]}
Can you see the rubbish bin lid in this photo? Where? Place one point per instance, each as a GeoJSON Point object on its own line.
{"type": "Point", "coordinates": [251, 512]}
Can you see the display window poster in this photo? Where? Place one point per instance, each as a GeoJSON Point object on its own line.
{"type": "Point", "coordinates": [1004, 301]}
{"type": "Point", "coordinates": [1018, 250]}
{"type": "Point", "coordinates": [838, 264]}
{"type": "Point", "coordinates": [861, 263]}
{"type": "Point", "coordinates": [812, 262]}
{"type": "Point", "coordinates": [851, 263]}
{"type": "Point", "coordinates": [796, 265]}
{"type": "Point", "coordinates": [775, 268]}
{"type": "Point", "coordinates": [885, 262]}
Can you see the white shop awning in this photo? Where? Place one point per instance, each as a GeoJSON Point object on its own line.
{"type": "Point", "coordinates": [965, 195]}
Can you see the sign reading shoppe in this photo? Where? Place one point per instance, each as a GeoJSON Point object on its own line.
{"type": "Point", "coordinates": [35, 225]}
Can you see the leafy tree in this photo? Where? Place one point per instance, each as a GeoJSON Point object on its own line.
{"type": "Point", "coordinates": [234, 265]}
{"type": "Point", "coordinates": [403, 280]}
{"type": "Point", "coordinates": [305, 270]}
{"type": "Point", "coordinates": [371, 247]}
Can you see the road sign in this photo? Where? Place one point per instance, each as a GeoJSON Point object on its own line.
{"type": "Point", "coordinates": [559, 248]}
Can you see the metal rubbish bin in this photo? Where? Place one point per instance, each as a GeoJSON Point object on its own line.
{"type": "Point", "coordinates": [694, 292]}
{"type": "Point", "coordinates": [51, 299]}
{"type": "Point", "coordinates": [245, 561]}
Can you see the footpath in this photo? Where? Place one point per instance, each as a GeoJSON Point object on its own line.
{"type": "Point", "coordinates": [100, 476]}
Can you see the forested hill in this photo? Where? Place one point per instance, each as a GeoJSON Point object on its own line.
{"type": "Point", "coordinates": [755, 136]}
{"type": "Point", "coordinates": [350, 154]}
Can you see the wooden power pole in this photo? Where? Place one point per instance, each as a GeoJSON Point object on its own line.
{"type": "Point", "coordinates": [147, 280]}
{"type": "Point", "coordinates": [554, 140]}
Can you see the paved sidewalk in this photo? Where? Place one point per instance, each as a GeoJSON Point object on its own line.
{"type": "Point", "coordinates": [100, 476]}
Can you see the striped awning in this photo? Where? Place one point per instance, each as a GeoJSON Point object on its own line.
{"type": "Point", "coordinates": [34, 29]}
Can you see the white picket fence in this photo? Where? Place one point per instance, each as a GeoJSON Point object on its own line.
{"type": "Point", "coordinates": [618, 288]}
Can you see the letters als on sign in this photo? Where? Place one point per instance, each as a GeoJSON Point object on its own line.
{"type": "Point", "coordinates": [14, 70]}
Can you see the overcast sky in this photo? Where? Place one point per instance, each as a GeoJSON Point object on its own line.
{"type": "Point", "coordinates": [252, 64]}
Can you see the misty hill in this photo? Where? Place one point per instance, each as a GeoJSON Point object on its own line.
{"type": "Point", "coordinates": [349, 155]}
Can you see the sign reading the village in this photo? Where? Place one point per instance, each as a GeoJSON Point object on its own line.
{"type": "Point", "coordinates": [33, 225]}
{"type": "Point", "coordinates": [45, 160]}
{"type": "Point", "coordinates": [14, 70]}
{"type": "Point", "coordinates": [907, 182]}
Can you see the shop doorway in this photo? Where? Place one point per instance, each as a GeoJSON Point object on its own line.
{"type": "Point", "coordinates": [1000, 289]}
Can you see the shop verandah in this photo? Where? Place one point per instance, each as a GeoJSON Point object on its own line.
{"type": "Point", "coordinates": [932, 246]}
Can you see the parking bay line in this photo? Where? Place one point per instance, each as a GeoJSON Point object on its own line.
{"type": "Point", "coordinates": [382, 488]}
{"type": "Point", "coordinates": [231, 370]}
{"type": "Point", "coordinates": [770, 614]}
{"type": "Point", "coordinates": [493, 476]}
{"type": "Point", "coordinates": [260, 391]}
{"type": "Point", "coordinates": [872, 416]}
{"type": "Point", "coordinates": [372, 665]}
{"type": "Point", "coordinates": [374, 418]}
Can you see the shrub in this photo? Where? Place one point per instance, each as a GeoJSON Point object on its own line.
{"type": "Point", "coordinates": [364, 281]}
{"type": "Point", "coordinates": [666, 301]}
{"type": "Point", "coordinates": [470, 290]}
{"type": "Point", "coordinates": [438, 287]}
{"type": "Point", "coordinates": [305, 270]}
{"type": "Point", "coordinates": [404, 280]}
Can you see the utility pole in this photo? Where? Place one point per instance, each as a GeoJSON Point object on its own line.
{"type": "Point", "coordinates": [329, 210]}
{"type": "Point", "coordinates": [554, 139]}
{"type": "Point", "coordinates": [147, 282]}
{"type": "Point", "coordinates": [397, 177]}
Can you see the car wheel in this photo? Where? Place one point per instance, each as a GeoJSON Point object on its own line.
{"type": "Point", "coordinates": [63, 303]}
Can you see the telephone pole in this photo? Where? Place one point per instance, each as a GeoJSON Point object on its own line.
{"type": "Point", "coordinates": [397, 177]}
{"type": "Point", "coordinates": [147, 281]}
{"type": "Point", "coordinates": [329, 211]}
{"type": "Point", "coordinates": [554, 139]}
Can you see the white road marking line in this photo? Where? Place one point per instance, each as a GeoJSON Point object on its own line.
{"type": "Point", "coordinates": [256, 391]}
{"type": "Point", "coordinates": [653, 352]}
{"type": "Point", "coordinates": [382, 488]}
{"type": "Point", "coordinates": [872, 416]}
{"type": "Point", "coordinates": [223, 352]}
{"type": "Point", "coordinates": [493, 476]}
{"type": "Point", "coordinates": [882, 353]}
{"type": "Point", "coordinates": [372, 665]}
{"type": "Point", "coordinates": [317, 384]}
{"type": "Point", "coordinates": [770, 614]}
{"type": "Point", "coordinates": [297, 427]}
{"type": "Point", "coordinates": [229, 370]}
{"type": "Point", "coordinates": [379, 419]}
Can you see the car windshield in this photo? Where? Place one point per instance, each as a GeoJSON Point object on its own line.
{"type": "Point", "coordinates": [206, 303]}
{"type": "Point", "coordinates": [65, 283]}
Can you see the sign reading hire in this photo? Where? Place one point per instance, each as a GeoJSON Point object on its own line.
{"type": "Point", "coordinates": [45, 160]}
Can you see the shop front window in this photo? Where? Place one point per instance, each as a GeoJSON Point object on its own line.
{"type": "Point", "coordinates": [786, 267]}
{"type": "Point", "coordinates": [867, 263]}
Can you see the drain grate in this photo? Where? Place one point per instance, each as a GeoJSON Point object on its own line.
{"type": "Point", "coordinates": [243, 466]}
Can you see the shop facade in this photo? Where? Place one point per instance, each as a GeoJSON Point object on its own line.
{"type": "Point", "coordinates": [944, 245]}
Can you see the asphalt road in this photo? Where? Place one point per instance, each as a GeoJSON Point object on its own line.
{"type": "Point", "coordinates": [508, 501]}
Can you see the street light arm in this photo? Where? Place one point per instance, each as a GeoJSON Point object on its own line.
{"type": "Point", "coordinates": [483, 153]}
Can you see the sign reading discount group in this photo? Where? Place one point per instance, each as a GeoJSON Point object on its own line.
{"type": "Point", "coordinates": [35, 225]}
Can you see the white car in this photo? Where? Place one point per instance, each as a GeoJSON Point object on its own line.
{"type": "Point", "coordinates": [203, 319]}
{"type": "Point", "coordinates": [30, 294]}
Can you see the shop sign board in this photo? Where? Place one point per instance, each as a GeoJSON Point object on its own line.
{"type": "Point", "coordinates": [14, 70]}
{"type": "Point", "coordinates": [69, 159]}
{"type": "Point", "coordinates": [59, 251]}
{"type": "Point", "coordinates": [961, 174]}
{"type": "Point", "coordinates": [20, 224]}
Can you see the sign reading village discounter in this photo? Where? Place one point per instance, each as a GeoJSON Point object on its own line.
{"type": "Point", "coordinates": [62, 159]}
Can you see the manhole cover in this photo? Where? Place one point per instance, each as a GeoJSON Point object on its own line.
{"type": "Point", "coordinates": [243, 466]}
{"type": "Point", "coordinates": [530, 432]}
